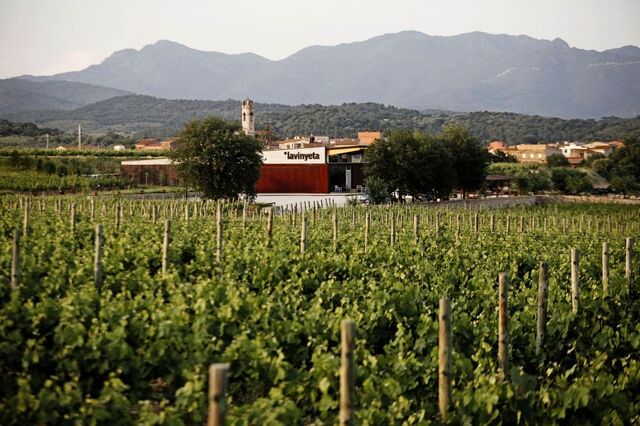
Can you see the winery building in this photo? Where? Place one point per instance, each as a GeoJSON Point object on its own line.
{"type": "Point", "coordinates": [317, 170]}
{"type": "Point", "coordinates": [303, 169]}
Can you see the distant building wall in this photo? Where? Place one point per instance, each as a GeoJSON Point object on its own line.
{"type": "Point", "coordinates": [367, 138]}
{"type": "Point", "coordinates": [293, 178]}
{"type": "Point", "coordinates": [531, 153]}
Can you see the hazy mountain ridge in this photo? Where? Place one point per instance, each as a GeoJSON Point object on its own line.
{"type": "Point", "coordinates": [17, 95]}
{"type": "Point", "coordinates": [467, 72]}
{"type": "Point", "coordinates": [145, 116]}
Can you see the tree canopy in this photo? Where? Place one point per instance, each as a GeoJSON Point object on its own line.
{"type": "Point", "coordinates": [217, 159]}
{"type": "Point", "coordinates": [470, 158]}
{"type": "Point", "coordinates": [622, 167]}
{"type": "Point", "coordinates": [557, 160]}
{"type": "Point", "coordinates": [412, 163]}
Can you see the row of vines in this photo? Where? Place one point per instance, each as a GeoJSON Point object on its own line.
{"type": "Point", "coordinates": [267, 297]}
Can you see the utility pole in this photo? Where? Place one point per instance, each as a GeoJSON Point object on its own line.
{"type": "Point", "coordinates": [79, 136]}
{"type": "Point", "coordinates": [47, 140]}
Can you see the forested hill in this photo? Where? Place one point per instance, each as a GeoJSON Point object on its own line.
{"type": "Point", "coordinates": [8, 128]}
{"type": "Point", "coordinates": [149, 116]}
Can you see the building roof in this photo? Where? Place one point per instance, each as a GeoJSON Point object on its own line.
{"type": "Point", "coordinates": [148, 142]}
{"type": "Point", "coordinates": [497, 144]}
{"type": "Point", "coordinates": [345, 150]}
{"type": "Point", "coordinates": [598, 145]}
{"type": "Point", "coordinates": [152, 162]}
{"type": "Point", "coordinates": [534, 147]}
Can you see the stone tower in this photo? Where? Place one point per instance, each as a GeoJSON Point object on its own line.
{"type": "Point", "coordinates": [248, 122]}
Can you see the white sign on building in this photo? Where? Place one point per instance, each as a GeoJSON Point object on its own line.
{"type": "Point", "coordinates": [295, 156]}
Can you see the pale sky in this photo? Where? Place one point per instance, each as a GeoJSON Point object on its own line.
{"type": "Point", "coordinates": [43, 37]}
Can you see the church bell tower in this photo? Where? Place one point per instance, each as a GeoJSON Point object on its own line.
{"type": "Point", "coordinates": [248, 123]}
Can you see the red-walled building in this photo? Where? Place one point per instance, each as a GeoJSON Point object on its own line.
{"type": "Point", "coordinates": [303, 170]}
{"type": "Point", "coordinates": [315, 170]}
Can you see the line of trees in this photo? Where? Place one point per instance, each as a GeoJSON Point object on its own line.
{"type": "Point", "coordinates": [425, 166]}
{"type": "Point", "coordinates": [621, 168]}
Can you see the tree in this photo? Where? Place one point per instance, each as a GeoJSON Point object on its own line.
{"type": "Point", "coordinates": [622, 167]}
{"type": "Point", "coordinates": [557, 160]}
{"type": "Point", "coordinates": [412, 163]}
{"type": "Point", "coordinates": [217, 159]}
{"type": "Point", "coordinates": [570, 181]}
{"type": "Point", "coordinates": [377, 190]}
{"type": "Point", "coordinates": [501, 157]}
{"type": "Point", "coordinates": [470, 158]}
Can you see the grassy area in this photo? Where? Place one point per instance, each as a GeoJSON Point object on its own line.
{"type": "Point", "coordinates": [89, 152]}
{"type": "Point", "coordinates": [35, 182]}
{"type": "Point", "coordinates": [15, 141]}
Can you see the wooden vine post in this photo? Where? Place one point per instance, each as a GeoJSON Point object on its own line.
{"type": "Point", "coordinates": [628, 259]}
{"type": "Point", "coordinates": [392, 234]}
{"type": "Point", "coordinates": [541, 325]}
{"type": "Point", "coordinates": [269, 225]}
{"type": "Point", "coordinates": [219, 236]}
{"type": "Point", "coordinates": [117, 223]}
{"type": "Point", "coordinates": [97, 258]}
{"type": "Point", "coordinates": [244, 216]}
{"type": "Point", "coordinates": [72, 219]}
{"type": "Point", "coordinates": [444, 357]}
{"type": "Point", "coordinates": [25, 222]}
{"type": "Point", "coordinates": [503, 325]}
{"type": "Point", "coordinates": [303, 235]}
{"type": "Point", "coordinates": [416, 228]}
{"type": "Point", "coordinates": [218, 376]}
{"type": "Point", "coordinates": [335, 230]}
{"type": "Point", "coordinates": [294, 215]}
{"type": "Point", "coordinates": [605, 268]}
{"type": "Point", "coordinates": [347, 374]}
{"type": "Point", "coordinates": [165, 246]}
{"type": "Point", "coordinates": [15, 260]}
{"type": "Point", "coordinates": [575, 278]}
{"type": "Point", "coordinates": [367, 224]}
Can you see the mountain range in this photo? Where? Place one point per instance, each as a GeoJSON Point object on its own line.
{"type": "Point", "coordinates": [467, 72]}
{"type": "Point", "coordinates": [18, 95]}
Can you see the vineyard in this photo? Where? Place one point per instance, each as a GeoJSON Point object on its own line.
{"type": "Point", "coordinates": [112, 310]}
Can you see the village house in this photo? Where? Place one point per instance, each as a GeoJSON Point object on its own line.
{"type": "Point", "coordinates": [497, 146]}
{"type": "Point", "coordinates": [532, 153]}
{"type": "Point", "coordinates": [363, 139]}
{"type": "Point", "coordinates": [367, 138]}
{"type": "Point", "coordinates": [156, 144]}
